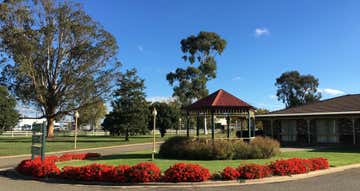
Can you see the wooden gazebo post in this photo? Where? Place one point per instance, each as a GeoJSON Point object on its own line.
{"type": "Point", "coordinates": [228, 126]}
{"type": "Point", "coordinates": [187, 125]}
{"type": "Point", "coordinates": [198, 125]}
{"type": "Point", "coordinates": [249, 124]}
{"type": "Point", "coordinates": [212, 126]}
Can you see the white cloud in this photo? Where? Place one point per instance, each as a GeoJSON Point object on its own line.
{"type": "Point", "coordinates": [331, 92]}
{"type": "Point", "coordinates": [261, 32]}
{"type": "Point", "coordinates": [237, 78]}
{"type": "Point", "coordinates": [160, 99]}
{"type": "Point", "coordinates": [272, 96]}
{"type": "Point", "coordinates": [140, 48]}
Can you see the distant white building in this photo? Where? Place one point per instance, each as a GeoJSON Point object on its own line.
{"type": "Point", "coordinates": [26, 123]}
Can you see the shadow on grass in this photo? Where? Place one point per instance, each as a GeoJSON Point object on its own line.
{"type": "Point", "coordinates": [125, 156]}
{"type": "Point", "coordinates": [338, 149]}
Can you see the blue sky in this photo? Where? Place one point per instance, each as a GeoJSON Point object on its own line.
{"type": "Point", "coordinates": [265, 38]}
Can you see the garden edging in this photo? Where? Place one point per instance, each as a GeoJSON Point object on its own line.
{"type": "Point", "coordinates": [273, 179]}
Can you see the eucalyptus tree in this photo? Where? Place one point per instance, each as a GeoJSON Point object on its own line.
{"type": "Point", "coordinates": [294, 89]}
{"type": "Point", "coordinates": [55, 56]}
{"type": "Point", "coordinates": [200, 51]}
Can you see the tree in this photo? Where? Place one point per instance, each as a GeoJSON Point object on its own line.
{"type": "Point", "coordinates": [130, 109]}
{"type": "Point", "coordinates": [8, 116]}
{"type": "Point", "coordinates": [60, 59]}
{"type": "Point", "coordinates": [261, 111]}
{"type": "Point", "coordinates": [92, 114]}
{"type": "Point", "coordinates": [295, 89]}
{"type": "Point", "coordinates": [190, 83]}
{"type": "Point", "coordinates": [167, 117]}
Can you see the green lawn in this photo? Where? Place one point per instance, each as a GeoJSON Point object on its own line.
{"type": "Point", "coordinates": [21, 145]}
{"type": "Point", "coordinates": [336, 157]}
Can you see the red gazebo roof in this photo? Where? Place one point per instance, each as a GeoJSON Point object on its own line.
{"type": "Point", "coordinates": [219, 100]}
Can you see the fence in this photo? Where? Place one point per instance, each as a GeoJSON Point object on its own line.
{"type": "Point", "coordinates": [62, 133]}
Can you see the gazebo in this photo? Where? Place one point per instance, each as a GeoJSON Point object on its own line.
{"type": "Point", "coordinates": [223, 104]}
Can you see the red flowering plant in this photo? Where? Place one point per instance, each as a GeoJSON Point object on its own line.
{"type": "Point", "coordinates": [182, 172]}
{"type": "Point", "coordinates": [254, 171]}
{"type": "Point", "coordinates": [290, 166]}
{"type": "Point", "coordinates": [144, 172]}
{"type": "Point", "coordinates": [38, 168]}
{"type": "Point", "coordinates": [319, 163]}
{"type": "Point", "coordinates": [77, 156]}
{"type": "Point", "coordinates": [118, 174]}
{"type": "Point", "coordinates": [230, 173]}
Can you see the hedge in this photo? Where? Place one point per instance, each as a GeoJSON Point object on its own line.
{"type": "Point", "coordinates": [180, 172]}
{"type": "Point", "coordinates": [203, 149]}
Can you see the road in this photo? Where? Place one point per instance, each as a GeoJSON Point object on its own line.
{"type": "Point", "coordinates": [345, 181]}
{"type": "Point", "coordinates": [9, 162]}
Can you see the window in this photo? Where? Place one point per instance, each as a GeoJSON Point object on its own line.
{"type": "Point", "coordinates": [288, 130]}
{"type": "Point", "coordinates": [326, 131]}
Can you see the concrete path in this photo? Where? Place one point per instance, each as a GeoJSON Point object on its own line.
{"type": "Point", "coordinates": [347, 180]}
{"type": "Point", "coordinates": [12, 161]}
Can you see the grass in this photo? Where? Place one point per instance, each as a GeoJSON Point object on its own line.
{"type": "Point", "coordinates": [22, 145]}
{"type": "Point", "coordinates": [337, 157]}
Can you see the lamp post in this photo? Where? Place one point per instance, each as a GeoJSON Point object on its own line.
{"type": "Point", "coordinates": [154, 113]}
{"type": "Point", "coordinates": [180, 126]}
{"type": "Point", "coordinates": [75, 133]}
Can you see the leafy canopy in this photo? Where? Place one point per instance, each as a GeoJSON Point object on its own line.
{"type": "Point", "coordinates": [168, 115]}
{"type": "Point", "coordinates": [57, 57]}
{"type": "Point", "coordinates": [130, 109]}
{"type": "Point", "coordinates": [295, 89]}
{"type": "Point", "coordinates": [190, 83]}
{"type": "Point", "coordinates": [8, 115]}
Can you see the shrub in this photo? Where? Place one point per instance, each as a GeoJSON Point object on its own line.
{"type": "Point", "coordinates": [182, 172]}
{"type": "Point", "coordinates": [174, 147]}
{"type": "Point", "coordinates": [222, 149]}
{"type": "Point", "coordinates": [265, 147]}
{"type": "Point", "coordinates": [202, 149]}
{"type": "Point", "coordinates": [77, 156]}
{"type": "Point", "coordinates": [70, 172]}
{"type": "Point", "coordinates": [144, 172]}
{"type": "Point", "coordinates": [242, 150]}
{"type": "Point", "coordinates": [319, 163]}
{"type": "Point", "coordinates": [290, 166]}
{"type": "Point", "coordinates": [38, 168]}
{"type": "Point", "coordinates": [254, 171]}
{"type": "Point", "coordinates": [230, 173]}
{"type": "Point", "coordinates": [118, 174]}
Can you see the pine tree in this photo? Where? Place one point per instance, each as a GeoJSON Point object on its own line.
{"type": "Point", "coordinates": [130, 109]}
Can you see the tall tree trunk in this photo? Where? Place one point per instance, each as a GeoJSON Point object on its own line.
{"type": "Point", "coordinates": [127, 134]}
{"type": "Point", "coordinates": [50, 127]}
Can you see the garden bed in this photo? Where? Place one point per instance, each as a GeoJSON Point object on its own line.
{"type": "Point", "coordinates": [149, 172]}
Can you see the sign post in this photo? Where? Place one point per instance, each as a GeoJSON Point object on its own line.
{"type": "Point", "coordinates": [38, 140]}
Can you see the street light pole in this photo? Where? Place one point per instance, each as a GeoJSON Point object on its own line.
{"type": "Point", "coordinates": [154, 140]}
{"type": "Point", "coordinates": [75, 133]}
{"type": "Point", "coordinates": [180, 126]}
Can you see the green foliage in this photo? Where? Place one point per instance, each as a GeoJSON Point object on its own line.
{"type": "Point", "coordinates": [260, 111]}
{"type": "Point", "coordinates": [190, 83]}
{"type": "Point", "coordinates": [130, 109]}
{"type": "Point", "coordinates": [8, 116]}
{"type": "Point", "coordinates": [202, 149]}
{"type": "Point", "coordinates": [167, 117]}
{"type": "Point", "coordinates": [265, 147]}
{"type": "Point", "coordinates": [92, 114]}
{"type": "Point", "coordinates": [60, 59]}
{"type": "Point", "coordinates": [295, 89]}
